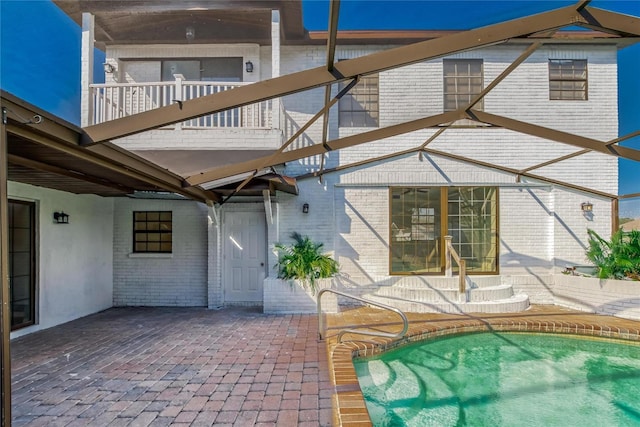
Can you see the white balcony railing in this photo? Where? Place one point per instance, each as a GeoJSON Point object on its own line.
{"type": "Point", "coordinates": [113, 101]}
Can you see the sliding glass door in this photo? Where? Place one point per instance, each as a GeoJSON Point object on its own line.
{"type": "Point", "coordinates": [22, 263]}
{"type": "Point", "coordinates": [421, 216]}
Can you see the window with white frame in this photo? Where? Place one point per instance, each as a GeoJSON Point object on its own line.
{"type": "Point", "coordinates": [568, 79]}
{"type": "Point", "coordinates": [360, 107]}
{"type": "Point", "coordinates": [463, 80]}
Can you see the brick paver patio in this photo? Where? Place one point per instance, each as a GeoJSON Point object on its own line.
{"type": "Point", "coordinates": [232, 367]}
{"type": "Point", "coordinates": [165, 366]}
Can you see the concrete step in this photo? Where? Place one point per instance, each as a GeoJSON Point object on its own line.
{"type": "Point", "coordinates": [484, 281]}
{"type": "Point", "coordinates": [490, 293]}
{"type": "Point", "coordinates": [427, 294]}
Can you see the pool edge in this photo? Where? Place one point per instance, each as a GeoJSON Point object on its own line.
{"type": "Point", "coordinates": [349, 406]}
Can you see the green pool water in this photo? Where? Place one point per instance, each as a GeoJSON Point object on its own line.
{"type": "Point", "coordinates": [504, 379]}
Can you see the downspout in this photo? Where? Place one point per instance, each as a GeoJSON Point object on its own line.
{"type": "Point", "coordinates": [266, 195]}
{"type": "Point", "coordinates": [214, 281]}
{"type": "Point", "coordinates": [275, 67]}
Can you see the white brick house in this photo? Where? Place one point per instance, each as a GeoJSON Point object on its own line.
{"type": "Point", "coordinates": [381, 209]}
{"type": "Point", "coordinates": [541, 227]}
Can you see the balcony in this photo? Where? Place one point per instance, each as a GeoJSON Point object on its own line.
{"type": "Point", "coordinates": [115, 100]}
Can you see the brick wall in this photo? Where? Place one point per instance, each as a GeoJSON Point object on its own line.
{"type": "Point", "coordinates": [290, 297]}
{"type": "Point", "coordinates": [613, 297]}
{"type": "Point", "coordinates": [541, 225]}
{"type": "Point", "coordinates": [176, 279]}
{"type": "Point", "coordinates": [210, 139]}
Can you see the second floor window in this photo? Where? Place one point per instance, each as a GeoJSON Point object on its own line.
{"type": "Point", "coordinates": [463, 80]}
{"type": "Point", "coordinates": [360, 107]}
{"type": "Point", "coordinates": [568, 79]}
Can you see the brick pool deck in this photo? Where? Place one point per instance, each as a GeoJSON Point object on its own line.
{"type": "Point", "coordinates": [231, 367]}
{"type": "Point", "coordinates": [173, 366]}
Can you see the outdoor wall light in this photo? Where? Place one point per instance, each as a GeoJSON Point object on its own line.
{"type": "Point", "coordinates": [108, 68]}
{"type": "Point", "coordinates": [60, 218]}
{"type": "Point", "coordinates": [305, 208]}
{"type": "Point", "coordinates": [248, 66]}
{"type": "Point", "coordinates": [586, 207]}
{"type": "Point", "coordinates": [190, 33]}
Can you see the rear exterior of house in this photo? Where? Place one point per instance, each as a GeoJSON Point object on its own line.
{"type": "Point", "coordinates": [381, 208]}
{"type": "Point", "coordinates": [384, 221]}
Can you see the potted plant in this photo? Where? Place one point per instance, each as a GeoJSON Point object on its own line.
{"type": "Point", "coordinates": [618, 258]}
{"type": "Point", "coordinates": [304, 261]}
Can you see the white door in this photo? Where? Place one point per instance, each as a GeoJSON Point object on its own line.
{"type": "Point", "coordinates": [245, 256]}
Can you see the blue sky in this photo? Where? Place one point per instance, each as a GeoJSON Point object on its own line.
{"type": "Point", "coordinates": [40, 48]}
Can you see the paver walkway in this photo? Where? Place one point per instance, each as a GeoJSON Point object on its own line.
{"type": "Point", "coordinates": [166, 366]}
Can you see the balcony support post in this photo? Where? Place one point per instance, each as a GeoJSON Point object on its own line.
{"type": "Point", "coordinates": [86, 73]}
{"type": "Point", "coordinates": [179, 95]}
{"type": "Point", "coordinates": [5, 307]}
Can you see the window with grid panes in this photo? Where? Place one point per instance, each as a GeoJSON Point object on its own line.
{"type": "Point", "coordinates": [472, 221]}
{"type": "Point", "coordinates": [360, 107]}
{"type": "Point", "coordinates": [463, 80]}
{"type": "Point", "coordinates": [415, 230]}
{"type": "Point", "coordinates": [152, 232]}
{"type": "Point", "coordinates": [568, 79]}
{"type": "Point", "coordinates": [421, 216]}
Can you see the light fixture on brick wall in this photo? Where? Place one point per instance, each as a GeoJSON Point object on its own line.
{"type": "Point", "coordinates": [248, 66]}
{"type": "Point", "coordinates": [60, 218]}
{"type": "Point", "coordinates": [190, 33]}
{"type": "Point", "coordinates": [586, 207]}
{"type": "Point", "coordinates": [305, 208]}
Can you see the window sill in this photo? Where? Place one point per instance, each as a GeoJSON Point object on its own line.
{"type": "Point", "coordinates": [150, 255]}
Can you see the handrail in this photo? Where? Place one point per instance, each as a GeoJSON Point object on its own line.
{"type": "Point", "coordinates": [169, 83]}
{"type": "Point", "coordinates": [401, 334]}
{"type": "Point", "coordinates": [111, 101]}
{"type": "Point", "coordinates": [449, 252]}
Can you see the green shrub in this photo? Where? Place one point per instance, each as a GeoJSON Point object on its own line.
{"type": "Point", "coordinates": [303, 260]}
{"type": "Point", "coordinates": [618, 258]}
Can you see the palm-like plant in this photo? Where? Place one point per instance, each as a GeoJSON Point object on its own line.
{"type": "Point", "coordinates": [303, 260]}
{"type": "Point", "coordinates": [618, 258]}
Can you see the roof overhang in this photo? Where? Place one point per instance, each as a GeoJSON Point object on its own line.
{"type": "Point", "coordinates": [43, 150]}
{"type": "Point", "coordinates": [402, 37]}
{"type": "Point", "coordinates": [192, 162]}
{"type": "Point", "coordinates": [165, 22]}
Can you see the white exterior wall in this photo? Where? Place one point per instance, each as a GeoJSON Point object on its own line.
{"type": "Point", "coordinates": [176, 279]}
{"type": "Point", "coordinates": [210, 139]}
{"type": "Point", "coordinates": [132, 71]}
{"type": "Point", "coordinates": [541, 226]}
{"type": "Point", "coordinates": [610, 297]}
{"type": "Point", "coordinates": [136, 64]}
{"type": "Point", "coordinates": [570, 226]}
{"type": "Point", "coordinates": [74, 273]}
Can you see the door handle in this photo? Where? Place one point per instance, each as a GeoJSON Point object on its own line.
{"type": "Point", "coordinates": [262, 264]}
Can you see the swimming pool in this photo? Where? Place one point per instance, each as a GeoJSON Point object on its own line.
{"type": "Point", "coordinates": [504, 379]}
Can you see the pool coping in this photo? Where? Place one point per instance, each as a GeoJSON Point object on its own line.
{"type": "Point", "coordinates": [349, 406]}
